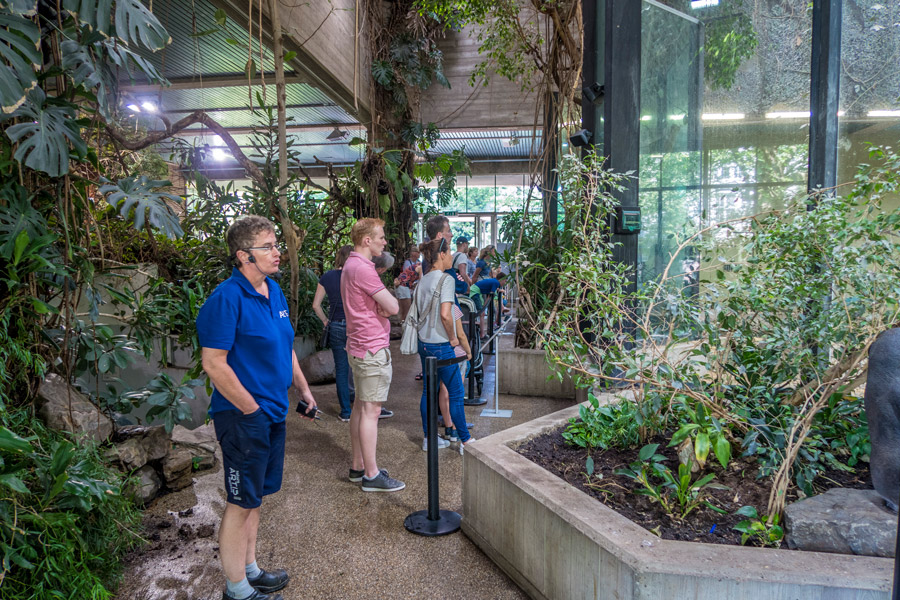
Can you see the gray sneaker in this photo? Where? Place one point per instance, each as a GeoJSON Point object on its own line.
{"type": "Point", "coordinates": [356, 475]}
{"type": "Point", "coordinates": [382, 483]}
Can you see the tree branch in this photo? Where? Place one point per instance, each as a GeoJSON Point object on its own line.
{"type": "Point", "coordinates": [171, 129]}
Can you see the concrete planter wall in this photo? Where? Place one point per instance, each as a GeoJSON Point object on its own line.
{"type": "Point", "coordinates": [524, 373]}
{"type": "Point", "coordinates": [558, 543]}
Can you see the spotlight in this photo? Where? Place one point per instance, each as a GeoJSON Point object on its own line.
{"type": "Point", "coordinates": [593, 93]}
{"type": "Point", "coordinates": [219, 155]}
{"type": "Point", "coordinates": [133, 107]}
{"type": "Point", "coordinates": [148, 106]}
{"type": "Point", "coordinates": [337, 134]}
{"type": "Point", "coordinates": [581, 138]}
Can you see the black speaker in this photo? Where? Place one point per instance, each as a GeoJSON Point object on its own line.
{"type": "Point", "coordinates": [581, 138]}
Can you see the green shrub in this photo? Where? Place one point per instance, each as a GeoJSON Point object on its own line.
{"type": "Point", "coordinates": [64, 521]}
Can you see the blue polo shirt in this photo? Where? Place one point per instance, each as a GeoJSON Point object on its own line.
{"type": "Point", "coordinates": [487, 286]}
{"type": "Point", "coordinates": [256, 331]}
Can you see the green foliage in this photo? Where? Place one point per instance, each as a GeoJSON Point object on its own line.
{"type": "Point", "coordinates": [706, 433]}
{"type": "Point", "coordinates": [20, 49]}
{"type": "Point", "coordinates": [610, 425]}
{"type": "Point", "coordinates": [508, 35]}
{"type": "Point", "coordinates": [45, 133]}
{"type": "Point", "coordinates": [728, 42]}
{"type": "Point", "coordinates": [678, 494]}
{"type": "Point", "coordinates": [166, 399]}
{"type": "Point", "coordinates": [64, 520]}
{"type": "Point", "coordinates": [771, 348]}
{"type": "Point", "coordinates": [137, 194]}
{"type": "Point", "coordinates": [763, 531]}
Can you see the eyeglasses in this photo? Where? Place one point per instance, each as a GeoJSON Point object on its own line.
{"type": "Point", "coordinates": [267, 249]}
{"type": "Point", "coordinates": [441, 249]}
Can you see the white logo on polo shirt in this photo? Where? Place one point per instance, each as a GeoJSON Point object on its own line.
{"type": "Point", "coordinates": [283, 314]}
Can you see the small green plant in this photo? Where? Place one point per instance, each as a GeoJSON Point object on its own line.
{"type": "Point", "coordinates": [764, 530]}
{"type": "Point", "coordinates": [603, 426]}
{"type": "Point", "coordinates": [706, 433]}
{"type": "Point", "coordinates": [678, 495]}
{"type": "Point", "coordinates": [166, 399]}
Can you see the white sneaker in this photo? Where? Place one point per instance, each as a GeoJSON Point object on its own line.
{"type": "Point", "coordinates": [462, 445]}
{"type": "Point", "coordinates": [442, 443]}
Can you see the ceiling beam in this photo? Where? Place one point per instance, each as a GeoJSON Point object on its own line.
{"type": "Point", "coordinates": [214, 81]}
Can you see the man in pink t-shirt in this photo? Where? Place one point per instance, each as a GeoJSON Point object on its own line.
{"type": "Point", "coordinates": [367, 306]}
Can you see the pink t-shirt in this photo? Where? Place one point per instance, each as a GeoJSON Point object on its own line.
{"type": "Point", "coordinates": [366, 330]}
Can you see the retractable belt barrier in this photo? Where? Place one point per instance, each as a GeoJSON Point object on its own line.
{"type": "Point", "coordinates": [434, 521]}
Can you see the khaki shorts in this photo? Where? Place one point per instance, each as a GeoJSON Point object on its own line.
{"type": "Point", "coordinates": [402, 292]}
{"type": "Point", "coordinates": [372, 375]}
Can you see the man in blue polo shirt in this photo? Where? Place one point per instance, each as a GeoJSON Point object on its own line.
{"type": "Point", "coordinates": [248, 353]}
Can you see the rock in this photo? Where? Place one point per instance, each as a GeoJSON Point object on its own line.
{"type": "Point", "coordinates": [200, 442]}
{"type": "Point", "coordinates": [148, 484]}
{"type": "Point", "coordinates": [842, 521]}
{"type": "Point", "coordinates": [203, 437]}
{"type": "Point", "coordinates": [154, 439]}
{"type": "Point", "coordinates": [177, 469]}
{"type": "Point", "coordinates": [132, 454]}
{"type": "Point", "coordinates": [84, 419]}
{"type": "Point", "coordinates": [205, 531]}
{"type": "Point", "coordinates": [318, 368]}
{"type": "Point", "coordinates": [883, 413]}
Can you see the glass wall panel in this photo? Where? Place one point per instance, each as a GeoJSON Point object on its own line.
{"type": "Point", "coordinates": [870, 83]}
{"type": "Point", "coordinates": [670, 135]}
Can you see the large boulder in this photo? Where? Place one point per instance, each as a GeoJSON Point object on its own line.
{"type": "Point", "coordinates": [178, 468]}
{"type": "Point", "coordinates": [147, 484]}
{"type": "Point", "coordinates": [200, 442]}
{"type": "Point", "coordinates": [842, 521]}
{"type": "Point", "coordinates": [883, 413]}
{"type": "Point", "coordinates": [62, 407]}
{"type": "Point", "coordinates": [154, 439]}
{"type": "Point", "coordinates": [318, 368]}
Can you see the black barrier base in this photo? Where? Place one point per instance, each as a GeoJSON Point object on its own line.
{"type": "Point", "coordinates": [419, 523]}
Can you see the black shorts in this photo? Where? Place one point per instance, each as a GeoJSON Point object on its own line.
{"type": "Point", "coordinates": [252, 455]}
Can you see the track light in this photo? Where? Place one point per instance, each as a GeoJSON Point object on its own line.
{"type": "Point", "coordinates": [337, 134]}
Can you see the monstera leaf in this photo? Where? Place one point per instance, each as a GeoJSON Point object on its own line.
{"type": "Point", "coordinates": [26, 8]}
{"type": "Point", "coordinates": [95, 62]}
{"type": "Point", "coordinates": [93, 13]}
{"type": "Point", "coordinates": [137, 192]}
{"type": "Point", "coordinates": [135, 23]}
{"type": "Point", "coordinates": [19, 48]}
{"type": "Point", "coordinates": [45, 135]}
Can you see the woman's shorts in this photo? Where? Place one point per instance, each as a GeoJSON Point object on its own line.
{"type": "Point", "coordinates": [402, 292]}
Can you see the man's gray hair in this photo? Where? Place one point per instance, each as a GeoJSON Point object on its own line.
{"type": "Point", "coordinates": [243, 231]}
{"type": "Point", "coordinates": [384, 261]}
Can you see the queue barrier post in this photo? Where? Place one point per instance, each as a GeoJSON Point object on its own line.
{"type": "Point", "coordinates": [471, 398]}
{"type": "Point", "coordinates": [434, 521]}
{"type": "Point", "coordinates": [490, 321]}
{"type": "Point", "coordinates": [496, 412]}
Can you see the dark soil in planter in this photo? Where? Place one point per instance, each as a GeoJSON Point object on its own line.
{"type": "Point", "coordinates": [551, 452]}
